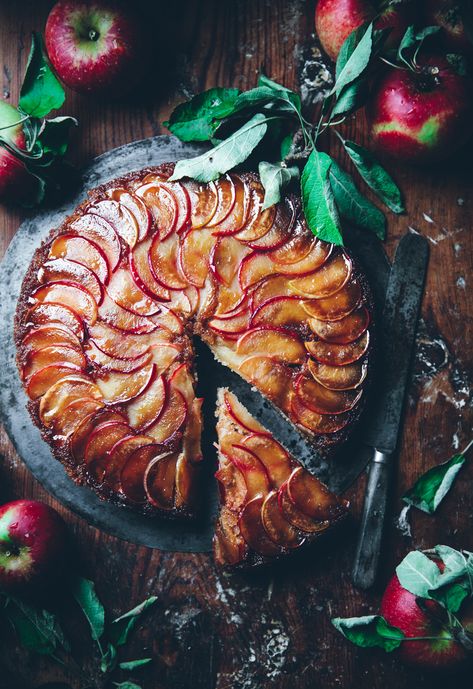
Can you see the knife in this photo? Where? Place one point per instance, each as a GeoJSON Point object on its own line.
{"type": "Point", "coordinates": [396, 344]}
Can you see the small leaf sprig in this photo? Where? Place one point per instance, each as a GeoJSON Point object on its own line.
{"type": "Point", "coordinates": [450, 587]}
{"type": "Point", "coordinates": [237, 123]}
{"type": "Point", "coordinates": [47, 139]}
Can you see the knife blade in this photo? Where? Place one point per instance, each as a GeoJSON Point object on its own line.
{"type": "Point", "coordinates": [396, 344]}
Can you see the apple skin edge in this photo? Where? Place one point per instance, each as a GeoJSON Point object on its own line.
{"type": "Point", "coordinates": [421, 117]}
{"type": "Point", "coordinates": [33, 545]}
{"type": "Point", "coordinates": [400, 609]}
{"type": "Point", "coordinates": [17, 185]}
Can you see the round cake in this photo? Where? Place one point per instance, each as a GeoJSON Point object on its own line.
{"type": "Point", "coordinates": [111, 302]}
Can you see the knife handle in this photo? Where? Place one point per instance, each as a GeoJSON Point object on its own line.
{"type": "Point", "coordinates": [368, 549]}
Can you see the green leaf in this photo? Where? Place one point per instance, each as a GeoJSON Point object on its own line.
{"type": "Point", "coordinates": [226, 155]}
{"type": "Point", "coordinates": [369, 631]}
{"type": "Point", "coordinates": [430, 489]}
{"type": "Point", "coordinates": [286, 145]}
{"type": "Point", "coordinates": [280, 91]}
{"type": "Point", "coordinates": [418, 574]}
{"type": "Point", "coordinates": [318, 200]}
{"type": "Point", "coordinates": [353, 62]}
{"type": "Point", "coordinates": [38, 630]}
{"type": "Point", "coordinates": [452, 595]}
{"type": "Point", "coordinates": [414, 39]}
{"type": "Point", "coordinates": [375, 176]}
{"type": "Point", "coordinates": [133, 664]}
{"type": "Point", "coordinates": [274, 179]}
{"type": "Point", "coordinates": [54, 135]}
{"type": "Point", "coordinates": [352, 205]}
{"type": "Point", "coordinates": [109, 659]}
{"type": "Point", "coordinates": [83, 591]}
{"type": "Point", "coordinates": [123, 625]}
{"type": "Point", "coordinates": [194, 120]}
{"type": "Point", "coordinates": [352, 97]}
{"type": "Point", "coordinates": [41, 91]}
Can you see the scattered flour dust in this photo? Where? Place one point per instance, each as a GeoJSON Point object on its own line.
{"type": "Point", "coordinates": [402, 522]}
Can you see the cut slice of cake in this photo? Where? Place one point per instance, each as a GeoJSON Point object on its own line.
{"type": "Point", "coordinates": [270, 504]}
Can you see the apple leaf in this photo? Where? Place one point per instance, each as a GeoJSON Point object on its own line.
{"type": "Point", "coordinates": [430, 489]}
{"type": "Point", "coordinates": [226, 155]}
{"type": "Point", "coordinates": [354, 57]}
{"type": "Point", "coordinates": [84, 593]}
{"type": "Point", "coordinates": [414, 39]}
{"type": "Point", "coordinates": [452, 596]}
{"type": "Point", "coordinates": [133, 664]}
{"type": "Point", "coordinates": [317, 198]}
{"type": "Point", "coordinates": [123, 625]}
{"type": "Point", "coordinates": [195, 119]}
{"type": "Point", "coordinates": [109, 659]}
{"type": "Point", "coordinates": [41, 91]}
{"type": "Point", "coordinates": [274, 179]}
{"type": "Point", "coordinates": [38, 630]}
{"type": "Point", "coordinates": [54, 135]}
{"type": "Point", "coordinates": [418, 574]}
{"type": "Point", "coordinates": [352, 97]}
{"type": "Point", "coordinates": [369, 631]}
{"type": "Point", "coordinates": [375, 176]}
{"type": "Point", "coordinates": [352, 205]}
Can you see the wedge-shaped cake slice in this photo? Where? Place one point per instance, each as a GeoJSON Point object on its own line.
{"type": "Point", "coordinates": [270, 504]}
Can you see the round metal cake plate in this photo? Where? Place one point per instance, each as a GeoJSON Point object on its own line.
{"type": "Point", "coordinates": [195, 536]}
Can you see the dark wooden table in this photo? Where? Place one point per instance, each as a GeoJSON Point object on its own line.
{"type": "Point", "coordinates": [269, 629]}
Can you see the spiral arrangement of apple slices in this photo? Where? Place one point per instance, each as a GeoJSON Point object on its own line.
{"type": "Point", "coordinates": [110, 303]}
{"type": "Point", "coordinates": [270, 504]}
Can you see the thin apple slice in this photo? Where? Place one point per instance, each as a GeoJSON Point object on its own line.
{"type": "Point", "coordinates": [192, 434]}
{"type": "Point", "coordinates": [40, 382]}
{"type": "Point", "coordinates": [297, 518]}
{"type": "Point", "coordinates": [164, 354]}
{"type": "Point", "coordinates": [47, 335]}
{"type": "Point", "coordinates": [339, 305]}
{"type": "Point", "coordinates": [339, 354]}
{"type": "Point", "coordinates": [338, 377]}
{"type": "Point", "coordinates": [254, 472]}
{"type": "Point", "coordinates": [63, 269]}
{"type": "Point", "coordinates": [170, 321]}
{"type": "Point", "coordinates": [120, 218]}
{"type": "Point", "coordinates": [162, 204]}
{"type": "Point", "coordinates": [253, 531]}
{"type": "Point", "coordinates": [102, 438]}
{"type": "Point", "coordinates": [159, 481]}
{"type": "Point", "coordinates": [203, 202]}
{"type": "Point", "coordinates": [124, 292]}
{"type": "Point", "coordinates": [313, 498]}
{"type": "Point", "coordinates": [274, 286]}
{"type": "Point", "coordinates": [145, 409]}
{"type": "Point", "coordinates": [231, 485]}
{"type": "Point", "coordinates": [297, 246]}
{"type": "Point", "coordinates": [255, 267]}
{"type": "Point", "coordinates": [141, 272]}
{"type": "Point", "coordinates": [118, 388]}
{"type": "Point", "coordinates": [102, 234]}
{"type": "Point", "coordinates": [116, 316]}
{"type": "Point", "coordinates": [240, 415]}
{"type": "Point", "coordinates": [281, 345]}
{"type": "Point", "coordinates": [236, 218]}
{"type": "Point", "coordinates": [118, 456]}
{"type": "Point", "coordinates": [272, 378]}
{"type": "Point", "coordinates": [113, 343]}
{"type": "Point", "coordinates": [226, 196]}
{"type": "Point", "coordinates": [55, 355]}
{"type": "Point", "coordinates": [69, 294]}
{"type": "Point", "coordinates": [194, 255]}
{"type": "Point", "coordinates": [133, 472]}
{"type": "Point", "coordinates": [83, 251]}
{"type": "Point", "coordinates": [279, 311]}
{"type": "Point", "coordinates": [136, 207]}
{"type": "Point", "coordinates": [62, 393]}
{"type": "Point", "coordinates": [163, 260]}
{"type": "Point", "coordinates": [259, 221]}
{"type": "Point", "coordinates": [322, 400]}
{"type": "Point", "coordinates": [281, 228]}
{"type": "Point", "coordinates": [186, 482]}
{"type": "Point", "coordinates": [343, 331]}
{"type": "Point", "coordinates": [319, 253]}
{"type": "Point", "coordinates": [279, 530]}
{"type": "Point", "coordinates": [172, 417]}
{"type": "Point", "coordinates": [73, 415]}
{"type": "Point", "coordinates": [325, 281]}
{"type": "Point", "coordinates": [272, 455]}
{"type": "Point", "coordinates": [47, 313]}
{"type": "Point", "coordinates": [180, 194]}
{"type": "Point", "coordinates": [231, 328]}
{"type": "Point", "coordinates": [228, 544]}
{"type": "Point", "coordinates": [225, 259]}
{"type": "Point", "coordinates": [230, 298]}
{"type": "Point", "coordinates": [320, 424]}
{"type": "Point", "coordinates": [180, 378]}
{"type": "Point", "coordinates": [80, 437]}
{"type": "Point", "coordinates": [108, 363]}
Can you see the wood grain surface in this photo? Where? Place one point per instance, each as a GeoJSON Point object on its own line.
{"type": "Point", "coordinates": [268, 629]}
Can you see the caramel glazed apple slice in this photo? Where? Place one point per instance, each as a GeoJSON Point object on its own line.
{"type": "Point", "coordinates": [112, 298]}
{"type": "Point", "coordinates": [270, 505]}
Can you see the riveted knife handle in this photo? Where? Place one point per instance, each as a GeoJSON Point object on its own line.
{"type": "Point", "coordinates": [368, 549]}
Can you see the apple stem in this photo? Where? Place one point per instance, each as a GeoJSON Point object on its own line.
{"type": "Point", "coordinates": [94, 35]}
{"type": "Point", "coordinates": [15, 124]}
{"type": "Point", "coordinates": [467, 447]}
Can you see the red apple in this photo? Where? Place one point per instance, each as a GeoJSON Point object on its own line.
{"type": "Point", "coordinates": [423, 114]}
{"type": "Point", "coordinates": [336, 19]}
{"type": "Point", "coordinates": [32, 545]}
{"type": "Point", "coordinates": [447, 15]}
{"type": "Point", "coordinates": [400, 608]}
{"type": "Point", "coordinates": [17, 185]}
{"type": "Point", "coordinates": [95, 47]}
